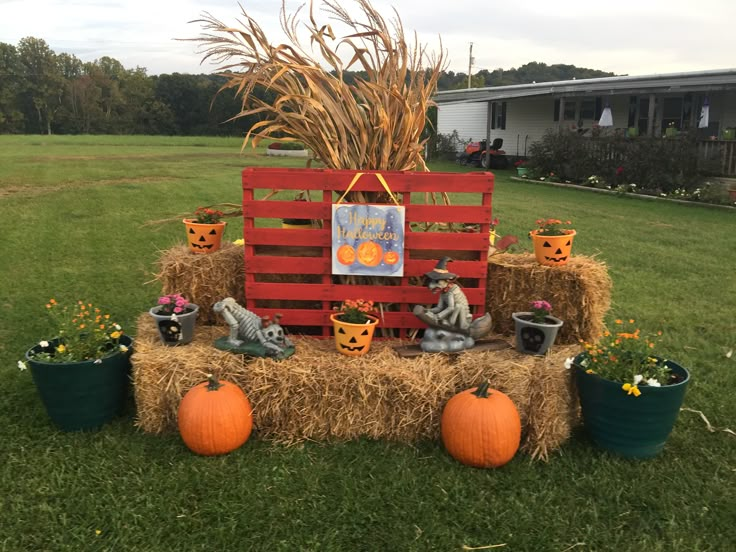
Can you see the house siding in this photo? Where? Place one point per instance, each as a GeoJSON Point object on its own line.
{"type": "Point", "coordinates": [468, 119]}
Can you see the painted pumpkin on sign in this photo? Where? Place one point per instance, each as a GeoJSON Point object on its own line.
{"type": "Point", "coordinates": [391, 258]}
{"type": "Point", "coordinates": [353, 339]}
{"type": "Point", "coordinates": [552, 250]}
{"type": "Point", "coordinates": [204, 238]}
{"type": "Point", "coordinates": [370, 253]}
{"type": "Point", "coordinates": [481, 427]}
{"type": "Point", "coordinates": [346, 254]}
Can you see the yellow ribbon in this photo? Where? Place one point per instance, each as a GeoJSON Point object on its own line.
{"type": "Point", "coordinates": [380, 178]}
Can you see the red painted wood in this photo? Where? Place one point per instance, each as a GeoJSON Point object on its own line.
{"type": "Point", "coordinates": [276, 251]}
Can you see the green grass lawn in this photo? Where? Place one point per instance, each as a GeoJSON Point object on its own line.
{"type": "Point", "coordinates": [74, 210]}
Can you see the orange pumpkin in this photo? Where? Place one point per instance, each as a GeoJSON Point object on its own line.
{"type": "Point", "coordinates": [370, 253]}
{"type": "Point", "coordinates": [346, 254]}
{"type": "Point", "coordinates": [215, 417]}
{"type": "Point", "coordinates": [481, 427]}
{"type": "Point", "coordinates": [391, 258]}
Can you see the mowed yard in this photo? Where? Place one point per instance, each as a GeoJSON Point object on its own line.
{"type": "Point", "coordinates": [74, 227]}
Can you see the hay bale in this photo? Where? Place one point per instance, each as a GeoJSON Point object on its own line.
{"type": "Point", "coordinates": [580, 293]}
{"type": "Point", "coordinates": [318, 394]}
{"type": "Point", "coordinates": [203, 279]}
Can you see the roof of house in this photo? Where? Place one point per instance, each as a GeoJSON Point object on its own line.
{"type": "Point", "coordinates": [675, 83]}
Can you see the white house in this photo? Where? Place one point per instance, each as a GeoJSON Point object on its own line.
{"type": "Point", "coordinates": [643, 105]}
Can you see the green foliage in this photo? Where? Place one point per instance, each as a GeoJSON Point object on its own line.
{"type": "Point", "coordinates": [654, 165]}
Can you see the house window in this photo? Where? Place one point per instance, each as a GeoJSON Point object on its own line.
{"type": "Point", "coordinates": [570, 109]}
{"type": "Point", "coordinates": [672, 113]}
{"type": "Point", "coordinates": [498, 115]}
{"type": "Point", "coordinates": [587, 109]}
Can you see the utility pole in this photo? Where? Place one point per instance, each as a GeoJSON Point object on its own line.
{"type": "Point", "coordinates": [470, 63]}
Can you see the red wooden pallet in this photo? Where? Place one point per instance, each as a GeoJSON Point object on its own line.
{"type": "Point", "coordinates": [300, 260]}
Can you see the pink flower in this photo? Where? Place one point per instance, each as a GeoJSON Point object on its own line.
{"type": "Point", "coordinates": [164, 300]}
{"type": "Point", "coordinates": [177, 310]}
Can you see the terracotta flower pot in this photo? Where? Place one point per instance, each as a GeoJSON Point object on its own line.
{"type": "Point", "coordinates": [353, 339]}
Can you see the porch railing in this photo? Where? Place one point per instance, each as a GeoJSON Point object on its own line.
{"type": "Point", "coordinates": [717, 156]}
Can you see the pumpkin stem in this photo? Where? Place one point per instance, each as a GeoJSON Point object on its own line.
{"type": "Point", "coordinates": [482, 391]}
{"type": "Point", "coordinates": [213, 384]}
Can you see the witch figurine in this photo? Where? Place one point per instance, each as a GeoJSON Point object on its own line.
{"type": "Point", "coordinates": [451, 324]}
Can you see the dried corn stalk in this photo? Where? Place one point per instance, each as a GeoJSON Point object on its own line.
{"type": "Point", "coordinates": [376, 122]}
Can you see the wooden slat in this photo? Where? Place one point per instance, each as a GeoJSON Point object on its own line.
{"type": "Point", "coordinates": [305, 317]}
{"type": "Point", "coordinates": [275, 264]}
{"type": "Point", "coordinates": [338, 181]}
{"type": "Point", "coordinates": [339, 292]}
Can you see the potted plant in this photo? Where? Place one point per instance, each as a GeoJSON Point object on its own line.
{"type": "Point", "coordinates": [521, 170]}
{"type": "Point", "coordinates": [175, 317]}
{"type": "Point", "coordinates": [536, 330]}
{"type": "Point", "coordinates": [552, 241]}
{"type": "Point", "coordinates": [354, 326]}
{"type": "Point", "coordinates": [82, 371]}
{"type": "Point", "coordinates": [204, 230]}
{"type": "Point", "coordinates": [630, 397]}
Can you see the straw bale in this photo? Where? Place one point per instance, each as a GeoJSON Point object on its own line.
{"type": "Point", "coordinates": [203, 279]}
{"type": "Point", "coordinates": [580, 293]}
{"type": "Point", "coordinates": [318, 394]}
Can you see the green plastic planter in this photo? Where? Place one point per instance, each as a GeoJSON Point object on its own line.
{"type": "Point", "coordinates": [634, 427]}
{"type": "Point", "coordinates": [83, 395]}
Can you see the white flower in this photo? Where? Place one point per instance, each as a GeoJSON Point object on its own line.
{"type": "Point", "coordinates": [638, 378]}
{"type": "Point", "coordinates": [123, 348]}
{"type": "Point", "coordinates": [21, 365]}
{"type": "Point", "coordinates": [568, 362]}
{"type": "Point", "coordinates": [43, 344]}
{"type": "Point", "coordinates": [174, 318]}
{"type": "Point", "coordinates": [652, 382]}
{"type": "Point", "coordinates": [98, 361]}
{"type": "Point", "coordinates": [118, 327]}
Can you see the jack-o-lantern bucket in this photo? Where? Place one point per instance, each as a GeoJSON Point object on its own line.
{"type": "Point", "coordinates": [353, 339]}
{"type": "Point", "coordinates": [552, 250]}
{"type": "Point", "coordinates": [204, 238]}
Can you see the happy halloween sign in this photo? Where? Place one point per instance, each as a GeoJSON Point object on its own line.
{"type": "Point", "coordinates": [368, 240]}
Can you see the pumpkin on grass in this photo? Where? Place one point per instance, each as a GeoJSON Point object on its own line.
{"type": "Point", "coordinates": [215, 417]}
{"type": "Point", "coordinates": [481, 427]}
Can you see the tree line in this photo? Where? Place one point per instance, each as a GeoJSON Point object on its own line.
{"type": "Point", "coordinates": [49, 93]}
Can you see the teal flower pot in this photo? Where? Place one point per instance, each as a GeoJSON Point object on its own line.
{"type": "Point", "coordinates": [83, 395]}
{"type": "Point", "coordinates": [634, 427]}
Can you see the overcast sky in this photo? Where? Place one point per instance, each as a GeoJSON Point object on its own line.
{"type": "Point", "coordinates": [635, 37]}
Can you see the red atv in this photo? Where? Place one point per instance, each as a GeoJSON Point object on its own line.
{"type": "Point", "coordinates": [477, 154]}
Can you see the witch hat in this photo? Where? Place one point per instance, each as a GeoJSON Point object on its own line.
{"type": "Point", "coordinates": [440, 271]}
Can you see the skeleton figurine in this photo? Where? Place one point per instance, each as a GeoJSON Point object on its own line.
{"type": "Point", "coordinates": [247, 327]}
{"type": "Point", "coordinates": [452, 327]}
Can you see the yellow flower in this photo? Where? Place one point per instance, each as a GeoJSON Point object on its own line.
{"type": "Point", "coordinates": [241, 241]}
{"type": "Point", "coordinates": [115, 334]}
{"type": "Point", "coordinates": [61, 348]}
{"type": "Point", "coordinates": [631, 389]}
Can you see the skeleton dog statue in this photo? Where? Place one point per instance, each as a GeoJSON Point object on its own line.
{"type": "Point", "coordinates": [248, 328]}
{"type": "Point", "coordinates": [452, 327]}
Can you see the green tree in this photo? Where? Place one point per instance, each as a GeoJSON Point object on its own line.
{"type": "Point", "coordinates": [43, 82]}
{"type": "Point", "coordinates": [11, 117]}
